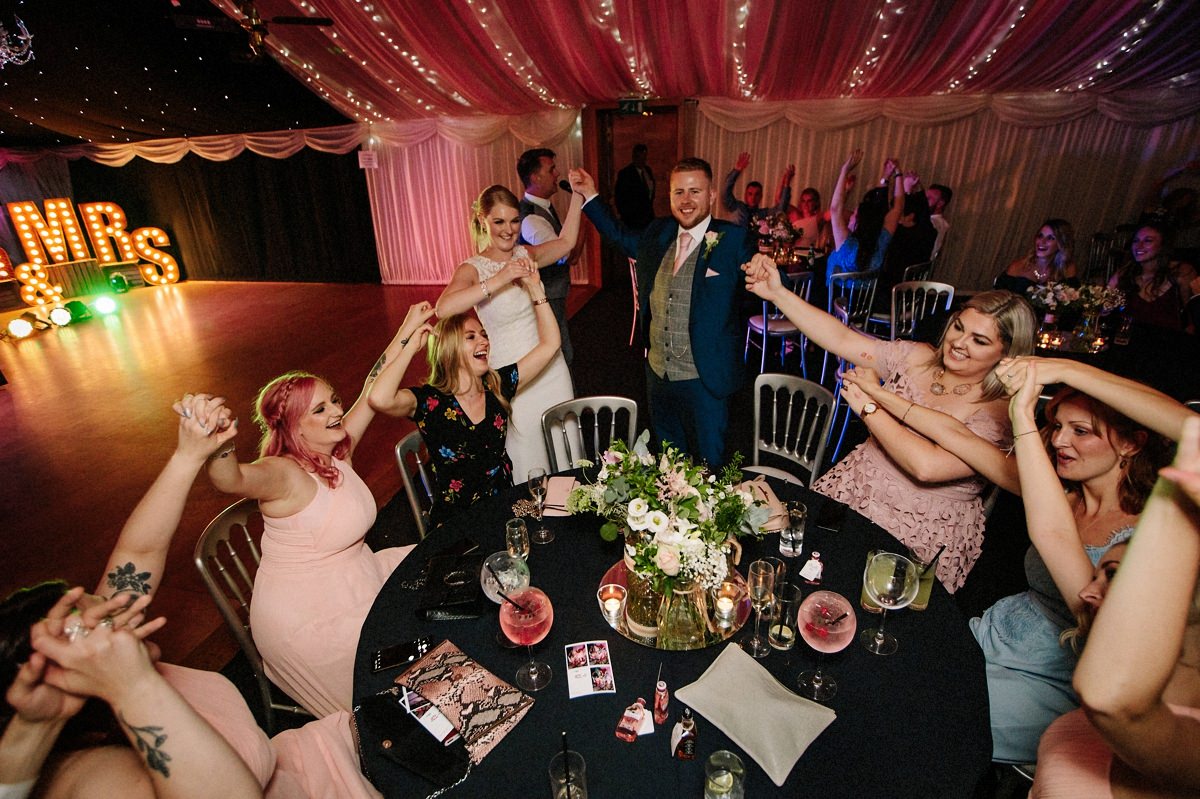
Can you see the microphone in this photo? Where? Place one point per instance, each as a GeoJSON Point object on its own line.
{"type": "Point", "coordinates": [562, 184]}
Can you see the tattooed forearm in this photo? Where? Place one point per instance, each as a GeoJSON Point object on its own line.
{"type": "Point", "coordinates": [149, 742]}
{"type": "Point", "coordinates": [377, 368]}
{"type": "Point", "coordinates": [128, 578]}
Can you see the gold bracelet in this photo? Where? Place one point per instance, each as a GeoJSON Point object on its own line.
{"type": "Point", "coordinates": [542, 301]}
{"type": "Point", "coordinates": [906, 410]}
{"type": "Point", "coordinates": [1026, 433]}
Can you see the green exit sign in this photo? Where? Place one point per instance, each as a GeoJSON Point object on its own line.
{"type": "Point", "coordinates": [630, 106]}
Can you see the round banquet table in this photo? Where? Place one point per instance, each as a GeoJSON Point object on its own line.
{"type": "Point", "coordinates": [913, 724]}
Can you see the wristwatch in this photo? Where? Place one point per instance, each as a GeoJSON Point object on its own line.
{"type": "Point", "coordinates": [868, 409]}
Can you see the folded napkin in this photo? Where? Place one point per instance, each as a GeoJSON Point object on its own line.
{"type": "Point", "coordinates": [769, 722]}
{"type": "Point", "coordinates": [556, 495]}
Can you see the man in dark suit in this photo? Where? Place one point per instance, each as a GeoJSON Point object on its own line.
{"type": "Point", "coordinates": [634, 192]}
{"type": "Point", "coordinates": [689, 282]}
{"type": "Point", "coordinates": [540, 223]}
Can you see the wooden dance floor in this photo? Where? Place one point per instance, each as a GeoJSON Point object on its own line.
{"type": "Point", "coordinates": [86, 421]}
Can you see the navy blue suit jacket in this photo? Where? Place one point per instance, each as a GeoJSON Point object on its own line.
{"type": "Point", "coordinates": [715, 324]}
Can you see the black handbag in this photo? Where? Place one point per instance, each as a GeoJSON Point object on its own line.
{"type": "Point", "coordinates": [388, 734]}
{"type": "Point", "coordinates": [452, 589]}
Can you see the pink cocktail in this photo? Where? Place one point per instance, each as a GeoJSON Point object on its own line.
{"type": "Point", "coordinates": [526, 620]}
{"type": "Point", "coordinates": [827, 624]}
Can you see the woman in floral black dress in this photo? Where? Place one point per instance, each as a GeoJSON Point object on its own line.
{"type": "Point", "coordinates": [462, 409]}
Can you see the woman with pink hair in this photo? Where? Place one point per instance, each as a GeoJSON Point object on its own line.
{"type": "Point", "coordinates": [318, 578]}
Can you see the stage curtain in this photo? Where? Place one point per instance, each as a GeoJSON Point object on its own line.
{"type": "Point", "coordinates": [1091, 169]}
{"type": "Point", "coordinates": [44, 178]}
{"type": "Point", "coordinates": [429, 173]}
{"type": "Point", "coordinates": [306, 218]}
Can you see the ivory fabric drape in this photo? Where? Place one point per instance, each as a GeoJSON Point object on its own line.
{"type": "Point", "coordinates": [1094, 170]}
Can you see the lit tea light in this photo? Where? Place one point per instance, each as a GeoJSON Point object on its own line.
{"type": "Point", "coordinates": [612, 601]}
{"type": "Point", "coordinates": [725, 605]}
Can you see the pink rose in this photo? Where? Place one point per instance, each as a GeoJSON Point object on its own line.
{"type": "Point", "coordinates": [431, 403]}
{"type": "Point", "coordinates": [456, 485]}
{"type": "Point", "coordinates": [667, 559]}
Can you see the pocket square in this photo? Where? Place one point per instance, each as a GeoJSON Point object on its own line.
{"type": "Point", "coordinates": [710, 272]}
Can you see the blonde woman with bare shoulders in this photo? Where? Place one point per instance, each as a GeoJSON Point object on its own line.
{"type": "Point", "coordinates": [488, 282]}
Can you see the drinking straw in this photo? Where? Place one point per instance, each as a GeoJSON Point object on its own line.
{"type": "Point", "coordinates": [933, 561]}
{"type": "Point", "coordinates": [504, 596]}
{"type": "Point", "coordinates": [566, 763]}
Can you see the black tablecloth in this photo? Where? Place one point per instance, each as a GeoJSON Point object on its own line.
{"type": "Point", "coordinates": [914, 724]}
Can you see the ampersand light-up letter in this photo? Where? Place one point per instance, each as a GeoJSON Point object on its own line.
{"type": "Point", "coordinates": [106, 226]}
{"type": "Point", "coordinates": [162, 268]}
{"type": "Point", "coordinates": [35, 286]}
{"type": "Point", "coordinates": [58, 231]}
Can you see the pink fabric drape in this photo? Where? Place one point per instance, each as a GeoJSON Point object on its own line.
{"type": "Point", "coordinates": [395, 60]}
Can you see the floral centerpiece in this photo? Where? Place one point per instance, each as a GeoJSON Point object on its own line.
{"type": "Point", "coordinates": [776, 227]}
{"type": "Point", "coordinates": [1056, 298]}
{"type": "Point", "coordinates": [676, 517]}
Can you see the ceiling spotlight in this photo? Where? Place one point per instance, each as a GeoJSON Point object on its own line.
{"type": "Point", "coordinates": [105, 305]}
{"type": "Point", "coordinates": [60, 317]}
{"type": "Point", "coordinates": [20, 328]}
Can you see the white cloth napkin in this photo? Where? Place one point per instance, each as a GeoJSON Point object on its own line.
{"type": "Point", "coordinates": [556, 495]}
{"type": "Point", "coordinates": [769, 722]}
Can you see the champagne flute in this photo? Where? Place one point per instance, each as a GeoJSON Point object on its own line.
{"type": "Point", "coordinates": [891, 581]}
{"type": "Point", "coordinates": [537, 490]}
{"type": "Point", "coordinates": [827, 623]}
{"type": "Point", "coordinates": [526, 617]}
{"type": "Point", "coordinates": [761, 585]}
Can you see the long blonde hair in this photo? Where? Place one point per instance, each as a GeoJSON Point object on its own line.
{"type": "Point", "coordinates": [1014, 319]}
{"type": "Point", "coordinates": [443, 351]}
{"type": "Point", "coordinates": [488, 199]}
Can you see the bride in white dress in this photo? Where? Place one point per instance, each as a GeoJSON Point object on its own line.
{"type": "Point", "coordinates": [487, 282]}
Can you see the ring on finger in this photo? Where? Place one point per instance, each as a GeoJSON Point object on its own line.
{"type": "Point", "coordinates": [75, 629]}
{"type": "Point", "coordinates": [108, 622]}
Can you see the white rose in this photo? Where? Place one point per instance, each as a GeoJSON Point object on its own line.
{"type": "Point", "coordinates": [638, 507]}
{"type": "Point", "coordinates": [657, 521]}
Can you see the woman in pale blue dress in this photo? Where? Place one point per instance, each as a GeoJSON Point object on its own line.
{"type": "Point", "coordinates": [1107, 463]}
{"type": "Point", "coordinates": [487, 283]}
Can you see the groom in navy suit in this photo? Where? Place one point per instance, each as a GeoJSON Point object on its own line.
{"type": "Point", "coordinates": [688, 281]}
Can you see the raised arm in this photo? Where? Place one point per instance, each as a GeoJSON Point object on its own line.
{"type": "Point", "coordinates": [361, 412]}
{"type": "Point", "coordinates": [892, 218]}
{"type": "Point", "coordinates": [1139, 402]}
{"type": "Point", "coordinates": [594, 208]}
{"type": "Point", "coordinates": [549, 340]}
{"type": "Point", "coordinates": [943, 430]}
{"type": "Point", "coordinates": [837, 220]}
{"type": "Point", "coordinates": [1136, 642]}
{"type": "Point", "coordinates": [136, 562]}
{"type": "Point", "coordinates": [783, 197]}
{"type": "Point", "coordinates": [728, 199]}
{"type": "Point", "coordinates": [180, 753]}
{"type": "Point", "coordinates": [1048, 514]}
{"type": "Point", "coordinates": [762, 278]}
{"type": "Point", "coordinates": [466, 289]}
{"type": "Point", "coordinates": [548, 252]}
{"type": "Point", "coordinates": [384, 393]}
{"type": "Point", "coordinates": [924, 460]}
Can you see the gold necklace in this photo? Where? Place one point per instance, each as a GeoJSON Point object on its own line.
{"type": "Point", "coordinates": [937, 388]}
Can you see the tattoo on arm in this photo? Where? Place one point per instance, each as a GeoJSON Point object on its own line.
{"type": "Point", "coordinates": [149, 742]}
{"type": "Point", "coordinates": [128, 578]}
{"type": "Point", "coordinates": [377, 368]}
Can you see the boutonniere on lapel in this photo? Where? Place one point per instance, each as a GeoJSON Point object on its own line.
{"type": "Point", "coordinates": [711, 239]}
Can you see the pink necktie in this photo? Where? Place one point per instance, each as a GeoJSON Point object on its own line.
{"type": "Point", "coordinates": [681, 250]}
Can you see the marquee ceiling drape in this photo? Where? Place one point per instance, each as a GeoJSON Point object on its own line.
{"type": "Point", "coordinates": [402, 59]}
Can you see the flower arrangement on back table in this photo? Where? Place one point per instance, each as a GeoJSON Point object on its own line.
{"type": "Point", "coordinates": [1089, 298]}
{"type": "Point", "coordinates": [678, 517]}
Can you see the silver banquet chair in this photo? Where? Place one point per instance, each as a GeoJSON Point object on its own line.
{"type": "Point", "coordinates": [227, 557]}
{"type": "Point", "coordinates": [855, 293]}
{"type": "Point", "coordinates": [566, 425]}
{"type": "Point", "coordinates": [772, 323]}
{"type": "Point", "coordinates": [411, 449]}
{"type": "Point", "coordinates": [912, 301]}
{"type": "Point", "coordinates": [792, 422]}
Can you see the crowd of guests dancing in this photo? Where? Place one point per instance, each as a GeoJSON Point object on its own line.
{"type": "Point", "coordinates": [1106, 702]}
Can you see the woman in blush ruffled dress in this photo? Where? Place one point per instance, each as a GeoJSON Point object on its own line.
{"type": "Point", "coordinates": [488, 282]}
{"type": "Point", "coordinates": [910, 486]}
{"type": "Point", "coordinates": [1138, 734]}
{"type": "Point", "coordinates": [318, 578]}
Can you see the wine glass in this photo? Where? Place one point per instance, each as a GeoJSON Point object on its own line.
{"type": "Point", "coordinates": [516, 538]}
{"type": "Point", "coordinates": [891, 581]}
{"type": "Point", "coordinates": [537, 490]}
{"type": "Point", "coordinates": [526, 618]}
{"type": "Point", "coordinates": [827, 623]}
{"type": "Point", "coordinates": [760, 585]}
{"type": "Point", "coordinates": [503, 574]}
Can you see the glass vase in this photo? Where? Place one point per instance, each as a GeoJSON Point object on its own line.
{"type": "Point", "coordinates": [683, 617]}
{"type": "Point", "coordinates": [1087, 331]}
{"type": "Point", "coordinates": [642, 602]}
